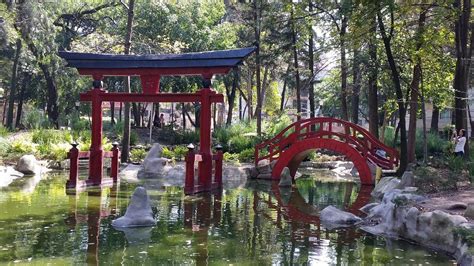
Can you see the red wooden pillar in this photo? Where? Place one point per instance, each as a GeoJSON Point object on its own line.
{"type": "Point", "coordinates": [218, 167]}
{"type": "Point", "coordinates": [115, 162]}
{"type": "Point", "coordinates": [96, 151]}
{"type": "Point", "coordinates": [73, 156]}
{"type": "Point", "coordinates": [205, 169]}
{"type": "Point", "coordinates": [189, 179]}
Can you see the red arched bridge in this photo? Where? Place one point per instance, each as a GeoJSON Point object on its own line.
{"type": "Point", "coordinates": [293, 144]}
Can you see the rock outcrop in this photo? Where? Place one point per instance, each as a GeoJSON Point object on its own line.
{"type": "Point", "coordinates": [27, 164]}
{"type": "Point", "coordinates": [397, 216]}
{"type": "Point", "coordinates": [331, 217]}
{"type": "Point", "coordinates": [154, 165]}
{"type": "Point", "coordinates": [139, 212]}
{"type": "Point", "coordinates": [285, 179]}
{"type": "Point", "coordinates": [385, 185]}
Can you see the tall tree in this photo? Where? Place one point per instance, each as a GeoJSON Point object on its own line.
{"type": "Point", "coordinates": [127, 46]}
{"type": "Point", "coordinates": [295, 64]}
{"type": "Point", "coordinates": [463, 62]}
{"type": "Point", "coordinates": [372, 100]}
{"type": "Point", "coordinates": [395, 75]}
{"type": "Point", "coordinates": [415, 88]}
{"type": "Point", "coordinates": [13, 84]}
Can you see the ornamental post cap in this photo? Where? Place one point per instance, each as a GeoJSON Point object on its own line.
{"type": "Point", "coordinates": [115, 144]}
{"type": "Point", "coordinates": [218, 147]}
{"type": "Point", "coordinates": [190, 146]}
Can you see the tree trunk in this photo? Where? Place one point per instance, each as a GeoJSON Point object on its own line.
{"type": "Point", "coordinates": [250, 96]}
{"type": "Point", "coordinates": [295, 65]}
{"type": "Point", "coordinates": [183, 107]}
{"type": "Point", "coordinates": [400, 99]}
{"type": "Point", "coordinates": [312, 106]}
{"type": "Point", "coordinates": [344, 109]}
{"type": "Point", "coordinates": [112, 113]}
{"type": "Point", "coordinates": [231, 96]}
{"type": "Point", "coordinates": [136, 114]}
{"type": "Point", "coordinates": [435, 119]}
{"type": "Point", "coordinates": [25, 83]}
{"type": "Point", "coordinates": [372, 100]}
{"type": "Point", "coordinates": [120, 112]}
{"type": "Point", "coordinates": [258, 109]}
{"type": "Point", "coordinates": [415, 87]}
{"type": "Point", "coordinates": [463, 62]}
{"type": "Point", "coordinates": [126, 127]}
{"type": "Point", "coordinates": [414, 97]}
{"type": "Point", "coordinates": [283, 92]}
{"type": "Point", "coordinates": [356, 78]}
{"type": "Point", "coordinates": [13, 85]}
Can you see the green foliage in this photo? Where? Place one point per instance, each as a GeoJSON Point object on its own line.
{"type": "Point", "coordinates": [3, 131]}
{"type": "Point", "coordinates": [247, 155]}
{"type": "Point", "coordinates": [22, 147]}
{"type": "Point", "coordinates": [180, 152]}
{"type": "Point", "coordinates": [231, 157]}
{"type": "Point", "coordinates": [276, 125]}
{"type": "Point", "coordinates": [176, 153]}
{"type": "Point", "coordinates": [137, 155]}
{"type": "Point", "coordinates": [435, 144]}
{"type": "Point", "coordinates": [35, 119]}
{"type": "Point", "coordinates": [237, 137]}
{"type": "Point", "coordinates": [51, 136]}
{"type": "Point", "coordinates": [466, 234]}
{"type": "Point", "coordinates": [189, 136]}
{"type": "Point", "coordinates": [133, 138]}
{"type": "Point", "coordinates": [455, 163]}
{"type": "Point", "coordinates": [167, 153]}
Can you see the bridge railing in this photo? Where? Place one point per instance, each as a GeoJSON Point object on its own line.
{"type": "Point", "coordinates": [329, 128]}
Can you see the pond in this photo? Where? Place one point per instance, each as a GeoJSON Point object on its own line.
{"type": "Point", "coordinates": [253, 223]}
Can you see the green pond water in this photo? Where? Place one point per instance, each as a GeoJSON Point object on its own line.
{"type": "Point", "coordinates": [254, 223]}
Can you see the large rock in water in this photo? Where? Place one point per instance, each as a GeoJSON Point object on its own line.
{"type": "Point", "coordinates": [138, 213]}
{"type": "Point", "coordinates": [332, 217]}
{"type": "Point", "coordinates": [27, 164]}
{"type": "Point", "coordinates": [285, 178]}
{"type": "Point", "coordinates": [153, 164]}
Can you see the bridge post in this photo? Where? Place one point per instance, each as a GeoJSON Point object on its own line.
{"type": "Point", "coordinates": [73, 156]}
{"type": "Point", "coordinates": [218, 167]}
{"type": "Point", "coordinates": [189, 180]}
{"type": "Point", "coordinates": [115, 162]}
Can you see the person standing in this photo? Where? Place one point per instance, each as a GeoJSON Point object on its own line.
{"type": "Point", "coordinates": [459, 142]}
{"type": "Point", "coordinates": [162, 120]}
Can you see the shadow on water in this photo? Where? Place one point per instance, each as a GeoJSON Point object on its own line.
{"type": "Point", "coordinates": [253, 223]}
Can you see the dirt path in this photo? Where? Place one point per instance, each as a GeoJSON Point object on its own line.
{"type": "Point", "coordinates": [453, 202]}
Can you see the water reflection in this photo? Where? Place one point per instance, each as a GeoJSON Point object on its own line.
{"type": "Point", "coordinates": [258, 223]}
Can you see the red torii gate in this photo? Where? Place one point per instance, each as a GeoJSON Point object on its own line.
{"type": "Point", "coordinates": [150, 68]}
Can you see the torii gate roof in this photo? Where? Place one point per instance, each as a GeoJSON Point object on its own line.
{"type": "Point", "coordinates": [202, 63]}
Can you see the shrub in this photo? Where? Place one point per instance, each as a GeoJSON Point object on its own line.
{"type": "Point", "coordinates": [138, 155]}
{"type": "Point", "coordinates": [51, 136]}
{"type": "Point", "coordinates": [167, 153]}
{"type": "Point", "coordinates": [435, 144]}
{"type": "Point", "coordinates": [35, 119]}
{"type": "Point", "coordinates": [180, 152]}
{"type": "Point", "coordinates": [188, 136]}
{"type": "Point", "coordinates": [3, 131]}
{"type": "Point", "coordinates": [21, 146]}
{"type": "Point", "coordinates": [133, 138]}
{"type": "Point", "coordinates": [277, 124]}
{"type": "Point", "coordinates": [231, 157]}
{"type": "Point", "coordinates": [240, 143]}
{"type": "Point", "coordinates": [455, 163]}
{"type": "Point", "coordinates": [4, 147]}
{"type": "Point", "coordinates": [247, 155]}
